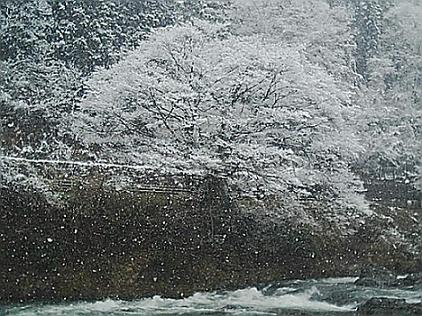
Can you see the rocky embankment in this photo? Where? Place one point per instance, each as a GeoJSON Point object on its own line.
{"type": "Point", "coordinates": [100, 243]}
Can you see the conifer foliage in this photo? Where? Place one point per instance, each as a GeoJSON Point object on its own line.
{"type": "Point", "coordinates": [49, 47]}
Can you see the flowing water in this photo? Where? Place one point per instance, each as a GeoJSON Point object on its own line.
{"type": "Point", "coordinates": [328, 297]}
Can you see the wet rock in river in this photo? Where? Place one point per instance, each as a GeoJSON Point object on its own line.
{"type": "Point", "coordinates": [381, 277]}
{"type": "Point", "coordinates": [373, 276]}
{"type": "Point", "coordinates": [389, 306]}
{"type": "Point", "coordinates": [413, 279]}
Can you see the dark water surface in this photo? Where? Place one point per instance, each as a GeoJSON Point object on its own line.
{"type": "Point", "coordinates": [328, 297]}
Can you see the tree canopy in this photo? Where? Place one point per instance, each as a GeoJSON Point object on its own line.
{"type": "Point", "coordinates": [277, 96]}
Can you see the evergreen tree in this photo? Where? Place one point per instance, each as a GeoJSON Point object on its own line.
{"type": "Point", "coordinates": [23, 30]}
{"type": "Point", "coordinates": [392, 104]}
{"type": "Point", "coordinates": [91, 33]}
{"type": "Point", "coordinates": [368, 19]}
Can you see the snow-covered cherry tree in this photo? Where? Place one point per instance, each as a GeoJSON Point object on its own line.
{"type": "Point", "coordinates": [198, 99]}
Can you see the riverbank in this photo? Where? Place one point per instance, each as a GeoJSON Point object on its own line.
{"type": "Point", "coordinates": [101, 243]}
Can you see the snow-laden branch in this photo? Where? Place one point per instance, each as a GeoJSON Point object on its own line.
{"type": "Point", "coordinates": [70, 163]}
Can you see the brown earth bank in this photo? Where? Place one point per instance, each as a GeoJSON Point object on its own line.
{"type": "Point", "coordinates": [102, 243]}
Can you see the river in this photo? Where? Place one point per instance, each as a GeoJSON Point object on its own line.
{"type": "Point", "coordinates": [327, 297]}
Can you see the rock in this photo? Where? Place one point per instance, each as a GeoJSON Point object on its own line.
{"type": "Point", "coordinates": [389, 306]}
{"type": "Point", "coordinates": [381, 277]}
{"type": "Point", "coordinates": [413, 279]}
{"type": "Point", "coordinates": [369, 282]}
{"type": "Point", "coordinates": [373, 276]}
